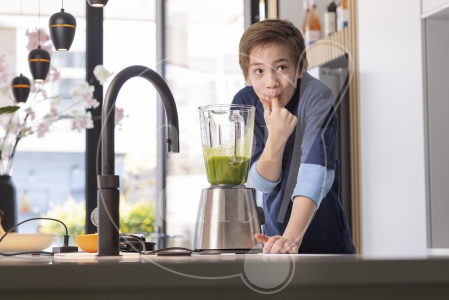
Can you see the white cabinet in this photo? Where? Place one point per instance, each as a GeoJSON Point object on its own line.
{"type": "Point", "coordinates": [430, 7]}
{"type": "Point", "coordinates": [436, 96]}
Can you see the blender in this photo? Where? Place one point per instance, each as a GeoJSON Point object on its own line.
{"type": "Point", "coordinates": [228, 216]}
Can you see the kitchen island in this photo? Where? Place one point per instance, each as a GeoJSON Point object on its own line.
{"type": "Point", "coordinates": [225, 277]}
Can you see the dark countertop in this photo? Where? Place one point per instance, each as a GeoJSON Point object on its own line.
{"type": "Point", "coordinates": [226, 276]}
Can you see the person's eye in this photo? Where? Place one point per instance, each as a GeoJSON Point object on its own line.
{"type": "Point", "coordinates": [258, 71]}
{"type": "Point", "coordinates": [282, 68]}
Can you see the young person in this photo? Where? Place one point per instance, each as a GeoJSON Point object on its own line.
{"type": "Point", "coordinates": [273, 61]}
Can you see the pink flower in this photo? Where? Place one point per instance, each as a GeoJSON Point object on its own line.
{"type": "Point", "coordinates": [85, 94]}
{"type": "Point", "coordinates": [43, 128]}
{"type": "Point", "coordinates": [31, 113]}
{"type": "Point", "coordinates": [118, 116]}
{"type": "Point", "coordinates": [89, 101]}
{"type": "Point", "coordinates": [82, 122]}
{"type": "Point", "coordinates": [33, 40]}
{"type": "Point", "coordinates": [53, 75]}
{"type": "Point", "coordinates": [54, 111]}
{"type": "Point", "coordinates": [53, 115]}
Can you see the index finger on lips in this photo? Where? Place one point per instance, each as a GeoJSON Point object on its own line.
{"type": "Point", "coordinates": [266, 107]}
{"type": "Point", "coordinates": [275, 104]}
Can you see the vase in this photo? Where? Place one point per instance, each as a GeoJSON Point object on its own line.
{"type": "Point", "coordinates": [8, 202]}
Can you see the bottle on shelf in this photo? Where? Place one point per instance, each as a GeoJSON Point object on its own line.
{"type": "Point", "coordinates": [330, 19]}
{"type": "Point", "coordinates": [342, 15]}
{"type": "Point", "coordinates": [305, 20]}
{"type": "Point", "coordinates": [262, 9]}
{"type": "Point", "coordinates": [313, 27]}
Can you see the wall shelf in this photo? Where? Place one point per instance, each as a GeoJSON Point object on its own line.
{"type": "Point", "coordinates": [329, 48]}
{"type": "Point", "coordinates": [345, 42]}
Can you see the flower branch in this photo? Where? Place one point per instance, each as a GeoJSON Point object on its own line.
{"type": "Point", "coordinates": [31, 118]}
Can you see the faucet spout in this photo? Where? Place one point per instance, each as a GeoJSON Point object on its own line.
{"type": "Point", "coordinates": [108, 182]}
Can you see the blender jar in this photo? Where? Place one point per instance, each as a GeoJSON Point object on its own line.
{"type": "Point", "coordinates": [227, 136]}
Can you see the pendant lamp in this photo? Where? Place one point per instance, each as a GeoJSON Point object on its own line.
{"type": "Point", "coordinates": [97, 3]}
{"type": "Point", "coordinates": [39, 59]}
{"type": "Point", "coordinates": [21, 88]}
{"type": "Point", "coordinates": [39, 62]}
{"type": "Point", "coordinates": [21, 85]}
{"type": "Point", "coordinates": [62, 30]}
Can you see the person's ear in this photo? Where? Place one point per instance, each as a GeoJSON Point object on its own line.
{"type": "Point", "coordinates": [299, 75]}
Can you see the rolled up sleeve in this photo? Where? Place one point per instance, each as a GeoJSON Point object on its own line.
{"type": "Point", "coordinates": [259, 182]}
{"type": "Point", "coordinates": [314, 182]}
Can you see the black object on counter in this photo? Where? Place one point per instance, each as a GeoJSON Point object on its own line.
{"type": "Point", "coordinates": [108, 182]}
{"type": "Point", "coordinates": [136, 246]}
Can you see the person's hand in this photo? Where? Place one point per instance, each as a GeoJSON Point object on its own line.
{"type": "Point", "coordinates": [278, 244]}
{"type": "Point", "coordinates": [280, 122]}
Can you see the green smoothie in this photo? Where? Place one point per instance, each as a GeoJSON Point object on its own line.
{"type": "Point", "coordinates": [224, 170]}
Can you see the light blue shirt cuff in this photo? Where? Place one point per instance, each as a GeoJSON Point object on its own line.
{"type": "Point", "coordinates": [314, 182]}
{"type": "Point", "coordinates": [260, 183]}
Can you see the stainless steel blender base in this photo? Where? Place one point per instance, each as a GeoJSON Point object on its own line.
{"type": "Point", "coordinates": [227, 220]}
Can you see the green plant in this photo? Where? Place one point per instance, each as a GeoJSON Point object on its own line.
{"type": "Point", "coordinates": [9, 109]}
{"type": "Point", "coordinates": [72, 213]}
{"type": "Point", "coordinates": [137, 217]}
{"type": "Point", "coordinates": [134, 217]}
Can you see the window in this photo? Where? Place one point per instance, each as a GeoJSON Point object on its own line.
{"type": "Point", "coordinates": [47, 171]}
{"type": "Point", "coordinates": [130, 39]}
{"type": "Point", "coordinates": [202, 68]}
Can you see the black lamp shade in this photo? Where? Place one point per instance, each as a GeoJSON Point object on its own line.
{"type": "Point", "coordinates": [21, 88]}
{"type": "Point", "coordinates": [39, 62]}
{"type": "Point", "coordinates": [62, 30]}
{"type": "Point", "coordinates": [97, 3]}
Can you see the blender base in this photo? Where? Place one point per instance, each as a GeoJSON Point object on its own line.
{"type": "Point", "coordinates": [227, 220]}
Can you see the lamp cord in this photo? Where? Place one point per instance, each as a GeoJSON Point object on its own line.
{"type": "Point", "coordinates": [39, 29]}
{"type": "Point", "coordinates": [21, 34]}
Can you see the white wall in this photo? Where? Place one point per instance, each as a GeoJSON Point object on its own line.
{"type": "Point", "coordinates": [392, 128]}
{"type": "Point", "coordinates": [292, 10]}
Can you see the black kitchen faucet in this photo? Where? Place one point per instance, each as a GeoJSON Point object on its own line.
{"type": "Point", "coordinates": [108, 182]}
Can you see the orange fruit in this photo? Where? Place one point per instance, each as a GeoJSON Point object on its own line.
{"type": "Point", "coordinates": [87, 242]}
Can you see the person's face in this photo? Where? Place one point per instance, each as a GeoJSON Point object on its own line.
{"type": "Point", "coordinates": [272, 73]}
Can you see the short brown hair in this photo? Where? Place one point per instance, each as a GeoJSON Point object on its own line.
{"type": "Point", "coordinates": [269, 31]}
